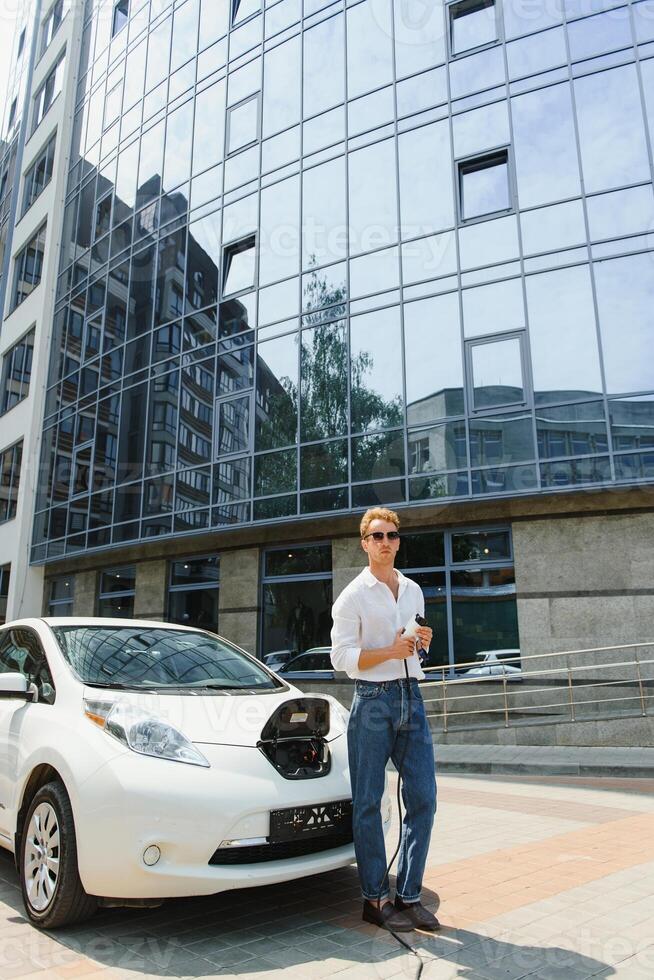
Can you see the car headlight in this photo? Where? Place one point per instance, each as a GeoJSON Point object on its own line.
{"type": "Point", "coordinates": [142, 732]}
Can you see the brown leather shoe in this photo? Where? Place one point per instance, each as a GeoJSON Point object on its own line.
{"type": "Point", "coordinates": [387, 917]}
{"type": "Point", "coordinates": [418, 915]}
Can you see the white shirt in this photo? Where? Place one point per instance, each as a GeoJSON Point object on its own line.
{"type": "Point", "coordinates": [367, 617]}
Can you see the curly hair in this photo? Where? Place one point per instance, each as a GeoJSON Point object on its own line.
{"type": "Point", "coordinates": [378, 514]}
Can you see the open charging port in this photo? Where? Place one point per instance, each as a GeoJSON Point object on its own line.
{"type": "Point", "coordinates": [294, 739]}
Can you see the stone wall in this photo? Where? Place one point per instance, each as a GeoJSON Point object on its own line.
{"type": "Point", "coordinates": [238, 611]}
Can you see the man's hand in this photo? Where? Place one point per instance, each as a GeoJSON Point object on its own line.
{"type": "Point", "coordinates": [424, 635]}
{"type": "Point", "coordinates": [403, 647]}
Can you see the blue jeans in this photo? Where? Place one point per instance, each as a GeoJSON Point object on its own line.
{"type": "Point", "coordinates": [386, 724]}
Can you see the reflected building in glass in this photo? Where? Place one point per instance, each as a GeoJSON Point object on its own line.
{"type": "Point", "coordinates": [319, 256]}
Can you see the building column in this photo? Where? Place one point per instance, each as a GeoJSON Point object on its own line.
{"type": "Point", "coordinates": [238, 603]}
{"type": "Point", "coordinates": [348, 559]}
{"type": "Point", "coordinates": [150, 592]}
{"type": "Point", "coordinates": [84, 594]}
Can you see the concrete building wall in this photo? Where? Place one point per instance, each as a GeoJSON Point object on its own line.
{"type": "Point", "coordinates": [239, 602]}
{"type": "Point", "coordinates": [150, 590]}
{"type": "Point", "coordinates": [584, 581]}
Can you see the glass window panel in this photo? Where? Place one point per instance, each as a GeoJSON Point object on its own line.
{"type": "Point", "coordinates": [231, 480]}
{"type": "Point", "coordinates": [472, 23]}
{"type": "Point", "coordinates": [545, 147]}
{"type": "Point", "coordinates": [438, 447]}
{"type": "Point", "coordinates": [296, 616]}
{"type": "Point", "coordinates": [370, 111]}
{"type": "Point", "coordinates": [369, 47]}
{"type": "Point", "coordinates": [481, 129]}
{"type": "Point", "coordinates": [158, 54]}
{"type": "Point", "coordinates": [571, 430]}
{"type": "Point", "coordinates": [439, 485]}
{"type": "Point", "coordinates": [376, 372]}
{"type": "Point", "coordinates": [621, 213]}
{"type": "Point", "coordinates": [497, 373]}
{"type": "Point", "coordinates": [374, 272]}
{"type": "Point", "coordinates": [421, 92]}
{"type": "Point", "coordinates": [203, 261]}
{"type": "Point", "coordinates": [277, 385]}
{"type": "Point", "coordinates": [484, 613]}
{"type": "Point", "coordinates": [632, 422]}
{"type": "Point", "coordinates": [551, 228]}
{"type": "Point", "coordinates": [324, 226]}
{"type": "Point", "coordinates": [476, 72]}
{"type": "Point", "coordinates": [244, 9]}
{"type": "Point", "coordinates": [435, 389]}
{"type": "Point", "coordinates": [275, 473]}
{"type": "Point", "coordinates": [501, 439]}
{"type": "Point", "coordinates": [305, 560]}
{"type": "Point", "coordinates": [280, 150]}
{"type": "Point", "coordinates": [643, 21]}
{"type": "Point", "coordinates": [636, 467]}
{"type": "Point", "coordinates": [177, 164]}
{"type": "Point", "coordinates": [489, 242]}
{"type": "Point", "coordinates": [565, 359]}
{"type": "Point", "coordinates": [236, 370]}
{"type": "Point", "coordinates": [323, 465]}
{"type": "Point", "coordinates": [234, 425]}
{"type": "Point", "coordinates": [282, 15]}
{"type": "Point", "coordinates": [324, 382]}
{"type": "Point", "coordinates": [477, 546]}
{"type": "Point", "coordinates": [236, 317]}
{"type": "Point", "coordinates": [611, 132]}
{"type": "Point", "coordinates": [538, 53]}
{"type": "Point", "coordinates": [126, 176]}
{"type": "Point", "coordinates": [280, 218]}
{"type": "Point", "coordinates": [281, 87]}
{"type": "Point", "coordinates": [274, 508]}
{"type": "Point", "coordinates": [522, 18]}
{"type": "Point", "coordinates": [426, 192]}
{"type": "Point", "coordinates": [494, 308]}
{"type": "Point", "coordinates": [625, 299]}
{"type": "Point", "coordinates": [323, 500]}
{"type": "Point", "coordinates": [429, 258]}
{"type": "Point", "coordinates": [484, 186]}
{"type": "Point", "coordinates": [239, 267]}
{"type": "Point", "coordinates": [243, 124]}
{"type": "Point", "coordinates": [423, 550]}
{"type": "Point", "coordinates": [324, 130]}
{"type": "Point", "coordinates": [381, 494]}
{"type": "Point", "coordinates": [378, 456]}
{"type": "Point", "coordinates": [596, 35]}
{"type": "Point", "coordinates": [419, 36]}
{"type": "Point", "coordinates": [197, 608]}
{"type": "Point", "coordinates": [185, 33]}
{"type": "Point", "coordinates": [324, 48]}
{"type": "Point", "coordinates": [208, 132]}
{"type": "Point", "coordinates": [569, 472]}
{"type": "Point", "coordinates": [372, 197]}
{"type": "Point", "coordinates": [150, 164]}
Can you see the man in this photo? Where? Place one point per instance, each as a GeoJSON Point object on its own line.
{"type": "Point", "coordinates": [387, 721]}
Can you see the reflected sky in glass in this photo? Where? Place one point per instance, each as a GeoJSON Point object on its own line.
{"type": "Point", "coordinates": [324, 223]}
{"type": "Point", "coordinates": [323, 84]}
{"type": "Point", "coordinates": [497, 373]}
{"type": "Point", "coordinates": [434, 368]}
{"type": "Point", "coordinates": [471, 25]}
{"type": "Point", "coordinates": [484, 190]}
{"type": "Point", "coordinates": [372, 197]}
{"type": "Point", "coordinates": [545, 146]}
{"type": "Point", "coordinates": [625, 299]}
{"type": "Point", "coordinates": [426, 192]}
{"type": "Point", "coordinates": [376, 370]}
{"type": "Point", "coordinates": [419, 36]}
{"type": "Point", "coordinates": [551, 228]}
{"type": "Point", "coordinates": [281, 87]}
{"type": "Point", "coordinates": [369, 47]}
{"type": "Point", "coordinates": [493, 308]}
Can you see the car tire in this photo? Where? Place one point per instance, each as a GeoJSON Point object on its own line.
{"type": "Point", "coordinates": [49, 878]}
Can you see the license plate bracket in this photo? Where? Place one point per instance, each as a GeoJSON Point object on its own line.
{"type": "Point", "coordinates": [317, 820]}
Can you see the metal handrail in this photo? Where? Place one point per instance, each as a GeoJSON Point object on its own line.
{"type": "Point", "coordinates": [571, 683]}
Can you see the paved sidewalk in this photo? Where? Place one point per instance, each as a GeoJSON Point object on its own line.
{"type": "Point", "coordinates": [549, 879]}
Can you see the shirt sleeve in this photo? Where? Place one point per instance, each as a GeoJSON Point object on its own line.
{"type": "Point", "coordinates": [346, 631]}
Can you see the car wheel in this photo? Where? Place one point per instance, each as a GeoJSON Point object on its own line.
{"type": "Point", "coordinates": [49, 877]}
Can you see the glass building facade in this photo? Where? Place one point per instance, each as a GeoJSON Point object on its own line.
{"type": "Point", "coordinates": [319, 256]}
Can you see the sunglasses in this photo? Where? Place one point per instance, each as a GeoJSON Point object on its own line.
{"type": "Point", "coordinates": [380, 535]}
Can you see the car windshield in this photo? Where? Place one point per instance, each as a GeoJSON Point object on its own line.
{"type": "Point", "coordinates": [138, 657]}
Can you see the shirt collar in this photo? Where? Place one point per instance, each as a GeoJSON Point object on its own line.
{"type": "Point", "coordinates": [370, 580]}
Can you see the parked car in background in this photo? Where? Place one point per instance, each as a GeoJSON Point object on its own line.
{"type": "Point", "coordinates": [275, 659]}
{"type": "Point", "coordinates": [143, 761]}
{"type": "Point", "coordinates": [500, 663]}
{"type": "Point", "coordinates": [314, 663]}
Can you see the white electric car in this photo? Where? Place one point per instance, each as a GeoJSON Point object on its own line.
{"type": "Point", "coordinates": [141, 761]}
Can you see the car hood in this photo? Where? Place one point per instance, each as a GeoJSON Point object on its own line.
{"type": "Point", "coordinates": [220, 718]}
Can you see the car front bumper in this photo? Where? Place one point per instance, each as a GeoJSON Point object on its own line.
{"type": "Point", "coordinates": [134, 802]}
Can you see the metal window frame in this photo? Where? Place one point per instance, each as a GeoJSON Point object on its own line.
{"type": "Point", "coordinates": [526, 402]}
{"type": "Point", "coordinates": [484, 161]}
{"type": "Point", "coordinates": [472, 5]}
{"type": "Point", "coordinates": [228, 154]}
{"type": "Point", "coordinates": [117, 4]}
{"type": "Point", "coordinates": [7, 367]}
{"type": "Point", "coordinates": [28, 175]}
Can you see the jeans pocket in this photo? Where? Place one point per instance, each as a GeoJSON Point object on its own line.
{"type": "Point", "coordinates": [367, 690]}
